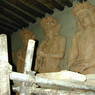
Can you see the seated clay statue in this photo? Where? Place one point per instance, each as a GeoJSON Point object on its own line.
{"type": "Point", "coordinates": [25, 34]}
{"type": "Point", "coordinates": [82, 56]}
{"type": "Point", "coordinates": [51, 50]}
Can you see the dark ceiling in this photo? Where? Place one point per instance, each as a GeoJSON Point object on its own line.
{"type": "Point", "coordinates": [15, 14]}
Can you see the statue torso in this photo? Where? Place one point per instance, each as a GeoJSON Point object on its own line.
{"type": "Point", "coordinates": [86, 45]}
{"type": "Point", "coordinates": [85, 61]}
{"type": "Point", "coordinates": [51, 47]}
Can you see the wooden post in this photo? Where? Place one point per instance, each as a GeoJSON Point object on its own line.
{"type": "Point", "coordinates": [29, 56]}
{"type": "Point", "coordinates": [27, 68]}
{"type": "Point", "coordinates": [5, 68]}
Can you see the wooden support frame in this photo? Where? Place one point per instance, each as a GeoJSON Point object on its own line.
{"type": "Point", "coordinates": [5, 68]}
{"type": "Point", "coordinates": [30, 80]}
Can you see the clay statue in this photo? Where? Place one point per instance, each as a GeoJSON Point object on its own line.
{"type": "Point", "coordinates": [82, 56]}
{"type": "Point", "coordinates": [51, 50]}
{"type": "Point", "coordinates": [25, 34]}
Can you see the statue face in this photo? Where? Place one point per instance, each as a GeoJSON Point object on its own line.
{"type": "Point", "coordinates": [50, 26]}
{"type": "Point", "coordinates": [86, 19]}
{"type": "Point", "coordinates": [48, 23]}
{"type": "Point", "coordinates": [53, 31]}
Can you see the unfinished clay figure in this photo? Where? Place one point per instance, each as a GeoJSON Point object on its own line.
{"type": "Point", "coordinates": [51, 51]}
{"type": "Point", "coordinates": [26, 34]}
{"type": "Point", "coordinates": [82, 56]}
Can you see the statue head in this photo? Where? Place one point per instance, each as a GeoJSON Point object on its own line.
{"type": "Point", "coordinates": [50, 26]}
{"type": "Point", "coordinates": [84, 13]}
{"type": "Point", "coordinates": [48, 22]}
{"type": "Point", "coordinates": [26, 34]}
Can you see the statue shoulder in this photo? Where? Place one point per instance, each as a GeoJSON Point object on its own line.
{"type": "Point", "coordinates": [62, 39]}
{"type": "Point", "coordinates": [77, 35]}
{"type": "Point", "coordinates": [41, 46]}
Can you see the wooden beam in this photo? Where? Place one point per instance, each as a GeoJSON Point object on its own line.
{"type": "Point", "coordinates": [52, 3]}
{"type": "Point", "coordinates": [57, 5]}
{"type": "Point", "coordinates": [20, 11]}
{"type": "Point", "coordinates": [13, 16]}
{"type": "Point", "coordinates": [68, 3]}
{"type": "Point", "coordinates": [25, 8]}
{"type": "Point", "coordinates": [10, 21]}
{"type": "Point", "coordinates": [29, 10]}
{"type": "Point", "coordinates": [47, 3]}
{"type": "Point", "coordinates": [33, 4]}
{"type": "Point", "coordinates": [38, 12]}
{"type": "Point", "coordinates": [5, 30]}
{"type": "Point", "coordinates": [5, 24]}
{"type": "Point", "coordinates": [44, 5]}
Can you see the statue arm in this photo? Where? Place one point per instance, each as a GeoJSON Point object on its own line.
{"type": "Point", "coordinates": [73, 52]}
{"type": "Point", "coordinates": [62, 48]}
{"type": "Point", "coordinates": [39, 60]}
{"type": "Point", "coordinates": [59, 53]}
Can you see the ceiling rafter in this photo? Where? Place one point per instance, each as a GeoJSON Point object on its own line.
{"type": "Point", "coordinates": [31, 9]}
{"type": "Point", "coordinates": [40, 6]}
{"type": "Point", "coordinates": [45, 3]}
{"type": "Point", "coordinates": [8, 25]}
{"type": "Point", "coordinates": [16, 15]}
{"type": "Point", "coordinates": [35, 5]}
{"type": "Point", "coordinates": [13, 16]}
{"type": "Point", "coordinates": [8, 20]}
{"type": "Point", "coordinates": [36, 9]}
{"type": "Point", "coordinates": [5, 30]}
{"type": "Point", "coordinates": [19, 12]}
{"type": "Point", "coordinates": [4, 9]}
{"type": "Point", "coordinates": [68, 3]}
{"type": "Point", "coordinates": [57, 5]}
{"type": "Point", "coordinates": [26, 9]}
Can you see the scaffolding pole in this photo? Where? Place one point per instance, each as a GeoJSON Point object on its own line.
{"type": "Point", "coordinates": [5, 68]}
